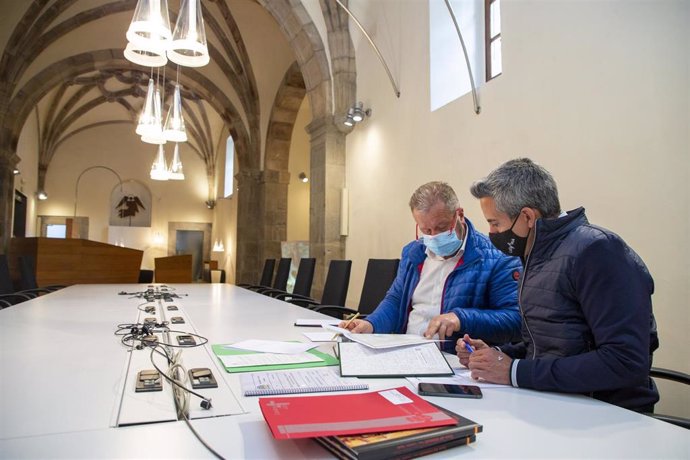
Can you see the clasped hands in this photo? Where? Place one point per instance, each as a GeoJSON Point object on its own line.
{"type": "Point", "coordinates": [484, 362]}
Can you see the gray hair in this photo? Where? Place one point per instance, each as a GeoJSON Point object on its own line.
{"type": "Point", "coordinates": [426, 196]}
{"type": "Point", "coordinates": [517, 184]}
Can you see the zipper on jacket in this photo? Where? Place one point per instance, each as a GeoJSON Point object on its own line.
{"type": "Point", "coordinates": [522, 282]}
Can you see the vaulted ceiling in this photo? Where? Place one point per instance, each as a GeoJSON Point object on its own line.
{"type": "Point", "coordinates": [64, 59]}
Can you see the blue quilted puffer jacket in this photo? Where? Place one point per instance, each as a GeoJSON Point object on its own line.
{"type": "Point", "coordinates": [481, 291]}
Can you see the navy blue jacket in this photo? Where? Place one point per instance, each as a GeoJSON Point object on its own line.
{"type": "Point", "coordinates": [588, 326]}
{"type": "Point", "coordinates": [481, 291]}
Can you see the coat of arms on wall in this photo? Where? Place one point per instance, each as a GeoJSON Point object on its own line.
{"type": "Point", "coordinates": [130, 205]}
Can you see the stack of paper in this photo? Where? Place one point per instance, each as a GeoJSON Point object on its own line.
{"type": "Point", "coordinates": [264, 355]}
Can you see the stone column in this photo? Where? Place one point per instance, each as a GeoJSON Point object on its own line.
{"type": "Point", "coordinates": [326, 183]}
{"type": "Point", "coordinates": [8, 161]}
{"type": "Point", "coordinates": [249, 224]}
{"type": "Point", "coordinates": [275, 191]}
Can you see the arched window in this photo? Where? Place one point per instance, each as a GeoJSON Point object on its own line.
{"type": "Point", "coordinates": [229, 167]}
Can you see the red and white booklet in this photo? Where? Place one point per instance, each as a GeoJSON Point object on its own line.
{"type": "Point", "coordinates": [330, 415]}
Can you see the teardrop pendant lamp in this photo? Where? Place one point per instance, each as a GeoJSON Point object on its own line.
{"type": "Point", "coordinates": [150, 27]}
{"type": "Point", "coordinates": [188, 46]}
{"type": "Point", "coordinates": [147, 119]}
{"type": "Point", "coordinates": [174, 129]}
{"type": "Point", "coordinates": [145, 57]}
{"type": "Point", "coordinates": [176, 172]}
{"type": "Point", "coordinates": [159, 170]}
{"type": "Point", "coordinates": [154, 131]}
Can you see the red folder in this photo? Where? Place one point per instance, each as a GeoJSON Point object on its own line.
{"type": "Point", "coordinates": [329, 415]}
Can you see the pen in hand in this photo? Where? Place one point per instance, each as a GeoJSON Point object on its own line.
{"type": "Point", "coordinates": [346, 324]}
{"type": "Point", "coordinates": [468, 347]}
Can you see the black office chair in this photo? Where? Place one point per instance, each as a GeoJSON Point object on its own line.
{"type": "Point", "coordinates": [7, 293]}
{"type": "Point", "coordinates": [377, 280]}
{"type": "Point", "coordinates": [303, 280]}
{"type": "Point", "coordinates": [266, 275]}
{"type": "Point", "coordinates": [675, 376]}
{"type": "Point", "coordinates": [334, 289]}
{"type": "Point", "coordinates": [145, 277]}
{"type": "Point", "coordinates": [28, 276]}
{"type": "Point", "coordinates": [281, 279]}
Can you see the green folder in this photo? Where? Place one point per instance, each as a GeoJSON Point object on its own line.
{"type": "Point", "coordinates": [221, 350]}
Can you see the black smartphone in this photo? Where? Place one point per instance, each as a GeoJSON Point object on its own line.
{"type": "Point", "coordinates": [453, 391]}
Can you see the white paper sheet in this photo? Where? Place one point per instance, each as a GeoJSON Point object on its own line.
{"type": "Point", "coordinates": [273, 346]}
{"type": "Point", "coordinates": [381, 341]}
{"type": "Point", "coordinates": [357, 360]}
{"type": "Point", "coordinates": [300, 381]}
{"type": "Point", "coordinates": [320, 336]}
{"type": "Point", "coordinates": [266, 359]}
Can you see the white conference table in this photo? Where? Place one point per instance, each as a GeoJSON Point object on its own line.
{"type": "Point", "coordinates": [61, 367]}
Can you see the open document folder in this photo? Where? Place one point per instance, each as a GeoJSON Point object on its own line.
{"type": "Point", "coordinates": [419, 360]}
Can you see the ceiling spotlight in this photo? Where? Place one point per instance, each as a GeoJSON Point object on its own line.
{"type": "Point", "coordinates": [356, 114]}
{"type": "Point", "coordinates": [303, 177]}
{"type": "Point", "coordinates": [42, 195]}
{"type": "Point", "coordinates": [359, 113]}
{"type": "Point", "coordinates": [349, 119]}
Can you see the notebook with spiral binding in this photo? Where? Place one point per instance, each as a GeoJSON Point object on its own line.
{"type": "Point", "coordinates": [300, 381]}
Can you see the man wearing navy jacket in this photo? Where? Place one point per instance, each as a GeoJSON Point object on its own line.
{"type": "Point", "coordinates": [451, 280]}
{"type": "Point", "coordinates": [585, 297]}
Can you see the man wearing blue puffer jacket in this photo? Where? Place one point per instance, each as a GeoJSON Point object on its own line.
{"type": "Point", "coordinates": [585, 297]}
{"type": "Point", "coordinates": [451, 280]}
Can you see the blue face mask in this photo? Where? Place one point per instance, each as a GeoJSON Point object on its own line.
{"type": "Point", "coordinates": [444, 244]}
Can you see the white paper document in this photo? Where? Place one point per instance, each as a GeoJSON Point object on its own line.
{"type": "Point", "coordinates": [381, 341]}
{"type": "Point", "coordinates": [300, 381]}
{"type": "Point", "coordinates": [316, 322]}
{"type": "Point", "coordinates": [320, 336]}
{"type": "Point", "coordinates": [357, 360]}
{"type": "Point", "coordinates": [266, 359]}
{"type": "Point", "coordinates": [273, 346]}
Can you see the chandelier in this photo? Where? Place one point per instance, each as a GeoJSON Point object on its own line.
{"type": "Point", "coordinates": [151, 43]}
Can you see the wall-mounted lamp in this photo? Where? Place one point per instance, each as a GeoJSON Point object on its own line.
{"type": "Point", "coordinates": [218, 246]}
{"type": "Point", "coordinates": [15, 171]}
{"type": "Point", "coordinates": [210, 204]}
{"type": "Point", "coordinates": [303, 177]}
{"type": "Point", "coordinates": [356, 114]}
{"type": "Point", "coordinates": [42, 195]}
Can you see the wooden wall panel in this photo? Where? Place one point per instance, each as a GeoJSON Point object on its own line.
{"type": "Point", "coordinates": [76, 261]}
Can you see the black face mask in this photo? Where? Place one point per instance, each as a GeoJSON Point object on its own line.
{"type": "Point", "coordinates": [509, 243]}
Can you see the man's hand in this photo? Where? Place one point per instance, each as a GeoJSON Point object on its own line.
{"type": "Point", "coordinates": [358, 326]}
{"type": "Point", "coordinates": [445, 325]}
{"type": "Point", "coordinates": [490, 365]}
{"type": "Point", "coordinates": [463, 352]}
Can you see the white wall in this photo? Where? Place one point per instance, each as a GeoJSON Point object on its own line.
{"type": "Point", "coordinates": [597, 92]}
{"type": "Point", "coordinates": [119, 148]}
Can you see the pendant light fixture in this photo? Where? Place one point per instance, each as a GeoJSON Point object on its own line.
{"type": "Point", "coordinates": [145, 57]}
{"type": "Point", "coordinates": [147, 117]}
{"type": "Point", "coordinates": [149, 33]}
{"type": "Point", "coordinates": [176, 172]}
{"type": "Point", "coordinates": [188, 46]}
{"type": "Point", "coordinates": [174, 124]}
{"type": "Point", "coordinates": [159, 170]}
{"type": "Point", "coordinates": [153, 134]}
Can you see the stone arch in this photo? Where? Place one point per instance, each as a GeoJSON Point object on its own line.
{"type": "Point", "coordinates": [327, 149]}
